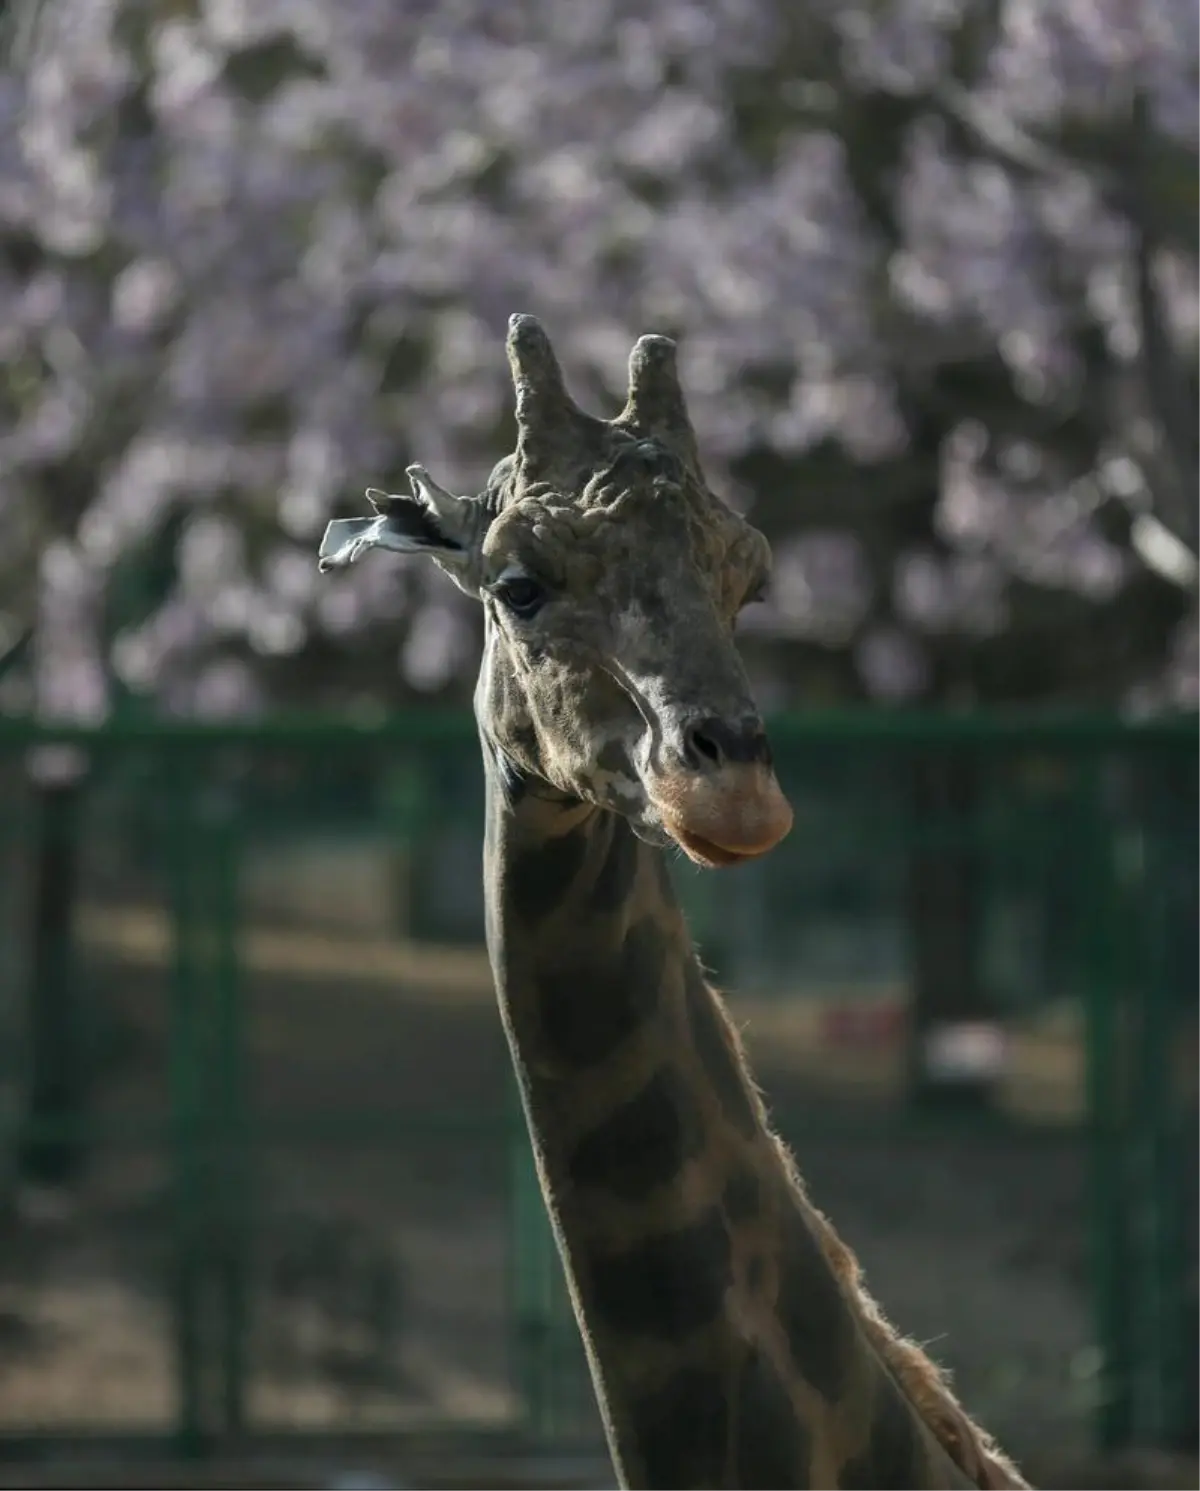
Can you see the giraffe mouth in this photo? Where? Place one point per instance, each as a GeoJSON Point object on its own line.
{"type": "Point", "coordinates": [726, 817]}
{"type": "Point", "coordinates": [713, 856]}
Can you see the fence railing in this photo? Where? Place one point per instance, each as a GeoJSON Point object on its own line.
{"type": "Point", "coordinates": [263, 1167]}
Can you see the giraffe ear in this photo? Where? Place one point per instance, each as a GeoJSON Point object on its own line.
{"type": "Point", "coordinates": [428, 520]}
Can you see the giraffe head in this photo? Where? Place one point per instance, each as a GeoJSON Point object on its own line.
{"type": "Point", "coordinates": [610, 577]}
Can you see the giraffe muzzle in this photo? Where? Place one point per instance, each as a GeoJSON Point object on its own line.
{"type": "Point", "coordinates": [723, 817]}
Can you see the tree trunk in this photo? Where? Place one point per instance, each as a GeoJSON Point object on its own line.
{"type": "Point", "coordinates": [948, 1057]}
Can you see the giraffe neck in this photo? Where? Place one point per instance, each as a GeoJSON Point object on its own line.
{"type": "Point", "coordinates": [724, 1346]}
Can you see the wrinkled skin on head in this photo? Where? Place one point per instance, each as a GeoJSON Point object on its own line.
{"type": "Point", "coordinates": [611, 578]}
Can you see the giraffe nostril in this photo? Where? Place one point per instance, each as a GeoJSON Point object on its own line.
{"type": "Point", "coordinates": [712, 742]}
{"type": "Point", "coordinates": [699, 746]}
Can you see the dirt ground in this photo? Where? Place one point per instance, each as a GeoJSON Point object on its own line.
{"type": "Point", "coordinates": [359, 1471]}
{"type": "Point", "coordinates": [381, 1215]}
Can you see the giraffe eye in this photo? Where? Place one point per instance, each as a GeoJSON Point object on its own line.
{"type": "Point", "coordinates": [521, 595]}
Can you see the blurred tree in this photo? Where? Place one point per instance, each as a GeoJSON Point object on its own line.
{"type": "Point", "coordinates": [1021, 176]}
{"type": "Point", "coordinates": [933, 266]}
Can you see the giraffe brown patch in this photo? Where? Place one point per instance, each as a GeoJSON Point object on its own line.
{"type": "Point", "coordinates": [680, 1430]}
{"type": "Point", "coordinates": [742, 1196]}
{"type": "Point", "coordinates": [590, 1006]}
{"type": "Point", "coordinates": [668, 1286]}
{"type": "Point", "coordinates": [772, 1448]}
{"type": "Point", "coordinates": [811, 1308]}
{"type": "Point", "coordinates": [526, 740]}
{"type": "Point", "coordinates": [892, 1458]}
{"type": "Point", "coordinates": [717, 1056]}
{"type": "Point", "coordinates": [643, 1143]}
{"type": "Point", "coordinates": [613, 758]}
{"type": "Point", "coordinates": [615, 879]}
{"type": "Point", "coordinates": [542, 875]}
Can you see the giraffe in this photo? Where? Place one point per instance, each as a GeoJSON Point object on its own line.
{"type": "Point", "coordinates": [730, 1337]}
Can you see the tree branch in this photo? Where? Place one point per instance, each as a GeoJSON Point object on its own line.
{"type": "Point", "coordinates": [1163, 378]}
{"type": "Point", "coordinates": [1173, 525]}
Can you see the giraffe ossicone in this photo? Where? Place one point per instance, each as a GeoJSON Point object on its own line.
{"type": "Point", "coordinates": [730, 1337]}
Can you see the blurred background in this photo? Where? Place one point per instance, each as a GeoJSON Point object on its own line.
{"type": "Point", "coordinates": [266, 1206]}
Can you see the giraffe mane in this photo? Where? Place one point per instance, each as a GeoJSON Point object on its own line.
{"type": "Point", "coordinates": [923, 1382]}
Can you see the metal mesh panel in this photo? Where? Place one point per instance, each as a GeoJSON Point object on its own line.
{"type": "Point", "coordinates": [262, 1169]}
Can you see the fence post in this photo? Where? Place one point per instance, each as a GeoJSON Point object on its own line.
{"type": "Point", "coordinates": [211, 1155]}
{"type": "Point", "coordinates": [1157, 1220]}
{"type": "Point", "coordinates": [1105, 1108]}
{"type": "Point", "coordinates": [51, 1146]}
{"type": "Point", "coordinates": [231, 1154]}
{"type": "Point", "coordinates": [187, 1109]}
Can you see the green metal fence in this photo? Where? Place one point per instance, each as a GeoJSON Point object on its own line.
{"type": "Point", "coordinates": [262, 1172]}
